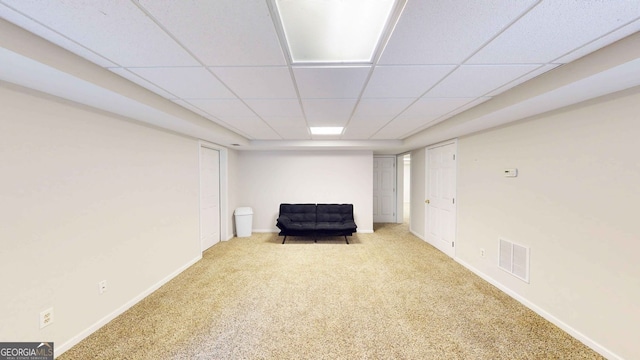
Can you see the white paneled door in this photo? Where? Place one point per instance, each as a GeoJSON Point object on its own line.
{"type": "Point", "coordinates": [440, 205]}
{"type": "Point", "coordinates": [209, 197]}
{"type": "Point", "coordinates": [384, 189]}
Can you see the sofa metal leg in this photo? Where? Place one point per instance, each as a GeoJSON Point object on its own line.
{"type": "Point", "coordinates": [285, 238]}
{"type": "Point", "coordinates": [345, 239]}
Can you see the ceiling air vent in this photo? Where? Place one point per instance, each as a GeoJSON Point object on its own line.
{"type": "Point", "coordinates": [514, 259]}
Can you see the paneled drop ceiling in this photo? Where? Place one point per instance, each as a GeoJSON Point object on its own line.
{"type": "Point", "coordinates": [224, 60]}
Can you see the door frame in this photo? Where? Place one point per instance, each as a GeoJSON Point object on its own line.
{"type": "Point", "coordinates": [455, 191]}
{"type": "Point", "coordinates": [400, 188]}
{"type": "Point", "coordinates": [223, 186]}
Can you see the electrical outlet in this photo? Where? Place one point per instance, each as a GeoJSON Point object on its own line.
{"type": "Point", "coordinates": [510, 172]}
{"type": "Point", "coordinates": [481, 252]}
{"type": "Point", "coordinates": [46, 317]}
{"type": "Point", "coordinates": [102, 286]}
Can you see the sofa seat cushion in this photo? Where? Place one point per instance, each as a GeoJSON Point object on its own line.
{"type": "Point", "coordinates": [302, 225]}
{"type": "Point", "coordinates": [335, 225]}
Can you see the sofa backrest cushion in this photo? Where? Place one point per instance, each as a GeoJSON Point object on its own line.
{"type": "Point", "coordinates": [335, 212]}
{"type": "Point", "coordinates": [299, 212]}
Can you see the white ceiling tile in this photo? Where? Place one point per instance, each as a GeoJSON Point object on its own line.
{"type": "Point", "coordinates": [254, 128]}
{"type": "Point", "coordinates": [197, 110]}
{"type": "Point", "coordinates": [116, 30]}
{"type": "Point", "coordinates": [142, 82]}
{"type": "Point", "coordinates": [555, 28]}
{"type": "Point", "coordinates": [428, 109]}
{"type": "Point", "coordinates": [292, 132]}
{"type": "Point", "coordinates": [224, 108]}
{"type": "Point", "coordinates": [236, 116]}
{"type": "Point", "coordinates": [404, 81]}
{"type": "Point", "coordinates": [601, 42]}
{"type": "Point", "coordinates": [448, 32]}
{"type": "Point", "coordinates": [478, 80]}
{"type": "Point", "coordinates": [274, 108]}
{"type": "Point", "coordinates": [539, 71]}
{"type": "Point", "coordinates": [204, 114]}
{"type": "Point", "coordinates": [283, 121]}
{"type": "Point", "coordinates": [381, 108]}
{"type": "Point", "coordinates": [52, 36]}
{"type": "Point", "coordinates": [258, 82]}
{"type": "Point", "coordinates": [185, 82]}
{"type": "Point", "coordinates": [402, 128]}
{"type": "Point", "coordinates": [396, 129]}
{"type": "Point", "coordinates": [449, 114]}
{"type": "Point", "coordinates": [222, 32]}
{"type": "Point", "coordinates": [372, 114]}
{"type": "Point", "coordinates": [328, 112]}
{"type": "Point", "coordinates": [330, 82]}
{"type": "Point", "coordinates": [364, 128]}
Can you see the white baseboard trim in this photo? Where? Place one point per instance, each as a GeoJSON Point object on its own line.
{"type": "Point", "coordinates": [538, 310]}
{"type": "Point", "coordinates": [365, 231]}
{"type": "Point", "coordinates": [416, 235]}
{"type": "Point", "coordinates": [59, 350]}
{"type": "Point", "coordinates": [265, 230]}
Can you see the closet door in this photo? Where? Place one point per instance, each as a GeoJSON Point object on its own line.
{"type": "Point", "coordinates": [384, 189]}
{"type": "Point", "coordinates": [441, 203]}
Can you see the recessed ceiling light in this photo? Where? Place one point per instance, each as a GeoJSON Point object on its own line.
{"type": "Point", "coordinates": [335, 31]}
{"type": "Point", "coordinates": [326, 130]}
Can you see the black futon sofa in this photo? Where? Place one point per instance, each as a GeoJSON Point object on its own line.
{"type": "Point", "coordinates": [316, 220]}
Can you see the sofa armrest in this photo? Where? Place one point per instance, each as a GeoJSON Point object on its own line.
{"type": "Point", "coordinates": [350, 223]}
{"type": "Point", "coordinates": [283, 222]}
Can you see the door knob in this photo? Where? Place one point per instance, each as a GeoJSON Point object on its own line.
{"type": "Point", "coordinates": [427, 201]}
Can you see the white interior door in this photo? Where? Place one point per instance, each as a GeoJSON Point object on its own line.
{"type": "Point", "coordinates": [209, 197]}
{"type": "Point", "coordinates": [384, 189]}
{"type": "Point", "coordinates": [440, 204]}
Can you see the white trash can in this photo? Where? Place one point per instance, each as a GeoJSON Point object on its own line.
{"type": "Point", "coordinates": [244, 216]}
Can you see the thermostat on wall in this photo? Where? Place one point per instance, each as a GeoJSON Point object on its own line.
{"type": "Point", "coordinates": [510, 172]}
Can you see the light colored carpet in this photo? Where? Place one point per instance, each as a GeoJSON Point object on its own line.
{"type": "Point", "coordinates": [387, 295]}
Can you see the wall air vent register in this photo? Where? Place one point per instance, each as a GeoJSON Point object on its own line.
{"type": "Point", "coordinates": [514, 259]}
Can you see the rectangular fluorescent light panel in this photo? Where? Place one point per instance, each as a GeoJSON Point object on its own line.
{"type": "Point", "coordinates": [326, 130]}
{"type": "Point", "coordinates": [333, 31]}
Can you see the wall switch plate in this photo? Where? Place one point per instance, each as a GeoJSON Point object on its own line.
{"type": "Point", "coordinates": [510, 172]}
{"type": "Point", "coordinates": [102, 286]}
{"type": "Point", "coordinates": [482, 252]}
{"type": "Point", "coordinates": [46, 317]}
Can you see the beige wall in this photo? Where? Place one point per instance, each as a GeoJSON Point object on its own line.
{"type": "Point", "coordinates": [268, 178]}
{"type": "Point", "coordinates": [87, 197]}
{"type": "Point", "coordinates": [574, 203]}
